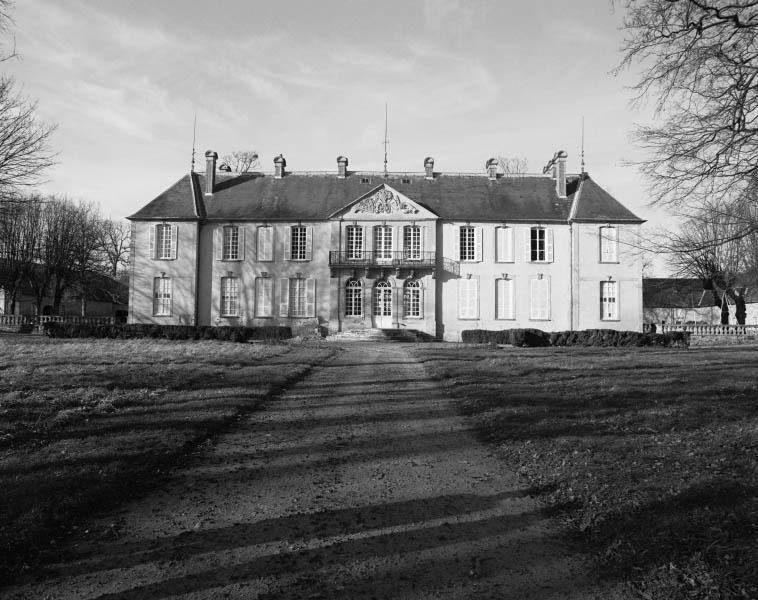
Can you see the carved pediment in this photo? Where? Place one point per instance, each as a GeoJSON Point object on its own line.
{"type": "Point", "coordinates": [385, 201]}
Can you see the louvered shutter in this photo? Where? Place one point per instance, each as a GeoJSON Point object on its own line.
{"type": "Point", "coordinates": [288, 244]}
{"type": "Point", "coordinates": [540, 299]}
{"type": "Point", "coordinates": [457, 243]}
{"type": "Point", "coordinates": [549, 244]}
{"type": "Point", "coordinates": [505, 244]}
{"type": "Point", "coordinates": [310, 297]}
{"type": "Point", "coordinates": [151, 241]}
{"type": "Point", "coordinates": [504, 300]}
{"type": "Point", "coordinates": [174, 241]}
{"type": "Point", "coordinates": [478, 244]}
{"type": "Point", "coordinates": [528, 244]}
{"type": "Point", "coordinates": [284, 297]}
{"type": "Point", "coordinates": [308, 243]}
{"type": "Point", "coordinates": [367, 298]}
{"type": "Point", "coordinates": [218, 242]}
{"type": "Point", "coordinates": [241, 242]}
{"type": "Point", "coordinates": [421, 300]}
{"type": "Point", "coordinates": [424, 239]}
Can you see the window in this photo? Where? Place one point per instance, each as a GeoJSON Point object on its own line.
{"type": "Point", "coordinates": [298, 238]}
{"type": "Point", "coordinates": [504, 244]}
{"type": "Point", "coordinates": [608, 244]}
{"type": "Point", "coordinates": [297, 297]}
{"type": "Point", "coordinates": [609, 306]}
{"type": "Point", "coordinates": [467, 243]}
{"type": "Point", "coordinates": [354, 242]}
{"type": "Point", "coordinates": [162, 296]}
{"type": "Point", "coordinates": [468, 298]}
{"type": "Point", "coordinates": [504, 299]}
{"type": "Point", "coordinates": [538, 244]}
{"type": "Point", "coordinates": [163, 242]}
{"type": "Point", "coordinates": [353, 298]}
{"type": "Point", "coordinates": [264, 293]}
{"type": "Point", "coordinates": [230, 243]}
{"type": "Point", "coordinates": [383, 243]}
{"type": "Point", "coordinates": [265, 243]}
{"type": "Point", "coordinates": [229, 297]}
{"type": "Point", "coordinates": [412, 242]}
{"type": "Point", "coordinates": [540, 299]}
{"type": "Point", "coordinates": [413, 306]}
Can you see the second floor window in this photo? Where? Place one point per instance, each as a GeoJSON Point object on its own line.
{"type": "Point", "coordinates": [297, 243]}
{"type": "Point", "coordinates": [538, 244]}
{"type": "Point", "coordinates": [412, 242]}
{"type": "Point", "coordinates": [265, 243]}
{"type": "Point", "coordinates": [163, 241]}
{"type": "Point", "coordinates": [608, 244]}
{"type": "Point", "coordinates": [383, 242]}
{"type": "Point", "coordinates": [354, 242]}
{"type": "Point", "coordinates": [467, 238]}
{"type": "Point", "coordinates": [230, 243]}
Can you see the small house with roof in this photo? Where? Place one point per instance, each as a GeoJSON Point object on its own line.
{"type": "Point", "coordinates": [434, 252]}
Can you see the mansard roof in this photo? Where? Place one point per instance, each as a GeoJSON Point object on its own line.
{"type": "Point", "coordinates": [317, 196]}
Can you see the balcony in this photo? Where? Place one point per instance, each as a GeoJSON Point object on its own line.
{"type": "Point", "coordinates": [390, 260]}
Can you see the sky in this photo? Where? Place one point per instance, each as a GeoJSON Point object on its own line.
{"type": "Point", "coordinates": [463, 80]}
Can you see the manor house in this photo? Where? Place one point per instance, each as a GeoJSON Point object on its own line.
{"type": "Point", "coordinates": [348, 250]}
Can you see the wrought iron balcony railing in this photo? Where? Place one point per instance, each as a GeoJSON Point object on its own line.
{"type": "Point", "coordinates": [399, 260]}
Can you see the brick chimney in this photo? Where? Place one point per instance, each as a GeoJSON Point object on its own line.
{"type": "Point", "coordinates": [429, 167]}
{"type": "Point", "coordinates": [492, 168]}
{"type": "Point", "coordinates": [341, 167]}
{"type": "Point", "coordinates": [210, 172]}
{"type": "Point", "coordinates": [560, 173]}
{"type": "Point", "coordinates": [279, 166]}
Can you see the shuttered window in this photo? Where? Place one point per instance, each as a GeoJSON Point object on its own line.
{"type": "Point", "coordinates": [229, 297]}
{"type": "Point", "coordinates": [467, 241]}
{"type": "Point", "coordinates": [163, 241]}
{"type": "Point", "coordinates": [300, 243]}
{"type": "Point", "coordinates": [265, 243]}
{"type": "Point", "coordinates": [608, 244]}
{"type": "Point", "coordinates": [539, 244]}
{"type": "Point", "coordinates": [231, 243]}
{"type": "Point", "coordinates": [540, 299]}
{"type": "Point", "coordinates": [504, 308]}
{"type": "Point", "coordinates": [264, 296]}
{"type": "Point", "coordinates": [468, 298]}
{"type": "Point", "coordinates": [504, 244]}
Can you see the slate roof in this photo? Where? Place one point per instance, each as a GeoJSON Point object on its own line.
{"type": "Point", "coordinates": [258, 196]}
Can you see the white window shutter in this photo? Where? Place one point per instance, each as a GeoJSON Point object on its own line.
{"type": "Point", "coordinates": [174, 240]}
{"type": "Point", "coordinates": [218, 242]}
{"type": "Point", "coordinates": [457, 243]}
{"type": "Point", "coordinates": [547, 296]}
{"type": "Point", "coordinates": [241, 242]}
{"type": "Point", "coordinates": [508, 233]}
{"type": "Point", "coordinates": [534, 303]}
{"type": "Point", "coordinates": [368, 296]}
{"type": "Point", "coordinates": [151, 241]}
{"type": "Point", "coordinates": [600, 232]}
{"type": "Point", "coordinates": [258, 239]}
{"type": "Point", "coordinates": [549, 244]}
{"type": "Point", "coordinates": [421, 300]}
{"type": "Point", "coordinates": [310, 297]}
{"type": "Point", "coordinates": [478, 244]}
{"type": "Point", "coordinates": [308, 243]}
{"type": "Point", "coordinates": [288, 244]}
{"type": "Point", "coordinates": [268, 297]}
{"type": "Point", "coordinates": [424, 238]}
{"type": "Point", "coordinates": [284, 297]}
{"type": "Point", "coordinates": [476, 295]}
{"type": "Point", "coordinates": [528, 244]}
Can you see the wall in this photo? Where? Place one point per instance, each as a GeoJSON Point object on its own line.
{"type": "Point", "coordinates": [181, 270]}
{"type": "Point", "coordinates": [589, 272]}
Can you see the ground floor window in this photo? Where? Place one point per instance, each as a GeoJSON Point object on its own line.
{"type": "Point", "coordinates": [162, 296]}
{"type": "Point", "coordinates": [504, 299]}
{"type": "Point", "coordinates": [264, 293]}
{"type": "Point", "coordinates": [412, 299]}
{"type": "Point", "coordinates": [229, 297]}
{"type": "Point", "coordinates": [297, 298]}
{"type": "Point", "coordinates": [540, 299]}
{"type": "Point", "coordinates": [353, 298]}
{"type": "Point", "coordinates": [609, 301]}
{"type": "Point", "coordinates": [468, 298]}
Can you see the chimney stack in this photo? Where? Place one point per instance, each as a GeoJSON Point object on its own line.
{"type": "Point", "coordinates": [210, 172]}
{"type": "Point", "coordinates": [492, 168]}
{"type": "Point", "coordinates": [341, 167]}
{"type": "Point", "coordinates": [279, 166]}
{"type": "Point", "coordinates": [429, 167]}
{"type": "Point", "coordinates": [560, 173]}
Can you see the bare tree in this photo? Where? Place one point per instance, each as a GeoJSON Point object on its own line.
{"type": "Point", "coordinates": [513, 166]}
{"type": "Point", "coordinates": [19, 244]}
{"type": "Point", "coordinates": [699, 66]}
{"type": "Point", "coordinates": [115, 243]}
{"type": "Point", "coordinates": [241, 161]}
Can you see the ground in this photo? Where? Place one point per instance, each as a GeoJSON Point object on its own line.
{"type": "Point", "coordinates": [361, 480]}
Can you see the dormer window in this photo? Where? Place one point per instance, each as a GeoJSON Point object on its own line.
{"type": "Point", "coordinates": [365, 180]}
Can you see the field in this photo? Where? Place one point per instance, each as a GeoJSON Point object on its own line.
{"type": "Point", "coordinates": [86, 424]}
{"type": "Point", "coordinates": [651, 456]}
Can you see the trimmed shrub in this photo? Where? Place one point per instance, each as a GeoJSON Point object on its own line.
{"type": "Point", "coordinates": [169, 332]}
{"type": "Point", "coordinates": [588, 337]}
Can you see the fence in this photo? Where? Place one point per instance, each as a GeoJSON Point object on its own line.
{"type": "Point", "coordinates": [18, 322]}
{"type": "Point", "coordinates": [708, 329]}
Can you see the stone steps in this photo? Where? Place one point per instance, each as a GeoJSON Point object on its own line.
{"type": "Point", "coordinates": [387, 335]}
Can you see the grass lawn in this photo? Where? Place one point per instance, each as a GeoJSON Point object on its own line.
{"type": "Point", "coordinates": [651, 455]}
{"type": "Point", "coordinates": [85, 424]}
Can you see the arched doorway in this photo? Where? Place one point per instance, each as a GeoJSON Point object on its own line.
{"type": "Point", "coordinates": [382, 304]}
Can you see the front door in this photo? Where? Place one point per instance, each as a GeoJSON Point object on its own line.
{"type": "Point", "coordinates": [383, 305]}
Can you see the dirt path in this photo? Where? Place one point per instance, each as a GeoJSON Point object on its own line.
{"type": "Point", "coordinates": [360, 482]}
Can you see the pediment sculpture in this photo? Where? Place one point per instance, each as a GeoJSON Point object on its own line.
{"type": "Point", "coordinates": [384, 201]}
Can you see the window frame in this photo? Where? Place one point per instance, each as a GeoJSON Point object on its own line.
{"type": "Point", "coordinates": [413, 299]}
{"type": "Point", "coordinates": [354, 242]}
{"type": "Point", "coordinates": [512, 301]}
{"type": "Point", "coordinates": [467, 243]}
{"type": "Point", "coordinates": [230, 251]}
{"type": "Point", "coordinates": [165, 300]}
{"type": "Point", "coordinates": [533, 316]}
{"type": "Point", "coordinates": [260, 292]}
{"type": "Point", "coordinates": [298, 298]}
{"type": "Point", "coordinates": [298, 243]}
{"type": "Point", "coordinates": [606, 300]}
{"type": "Point", "coordinates": [610, 243]}
{"type": "Point", "coordinates": [229, 304]}
{"type": "Point", "coordinates": [504, 252]}
{"type": "Point", "coordinates": [353, 298]}
{"type": "Point", "coordinates": [472, 284]}
{"type": "Point", "coordinates": [261, 244]}
{"type": "Point", "coordinates": [412, 242]}
{"type": "Point", "coordinates": [534, 244]}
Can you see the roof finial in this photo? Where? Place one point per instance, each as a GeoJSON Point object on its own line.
{"type": "Point", "coordinates": [194, 131]}
{"type": "Point", "coordinates": [386, 141]}
{"type": "Point", "coordinates": [582, 145]}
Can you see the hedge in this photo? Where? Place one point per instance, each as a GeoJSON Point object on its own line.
{"type": "Point", "coordinates": [588, 337]}
{"type": "Point", "coordinates": [168, 332]}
